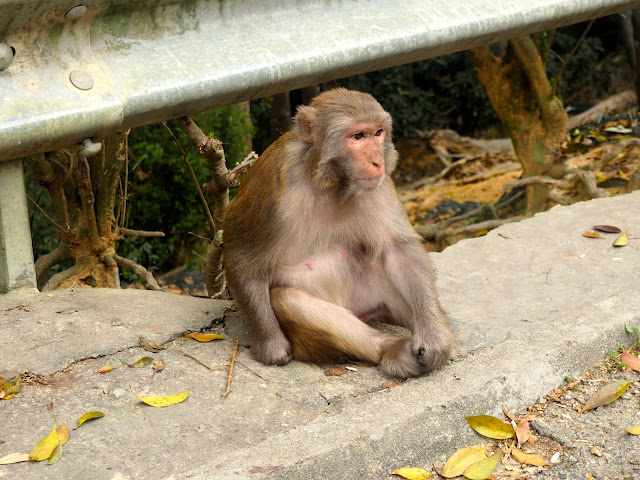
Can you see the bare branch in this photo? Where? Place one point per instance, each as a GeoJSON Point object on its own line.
{"type": "Point", "coordinates": [139, 270]}
{"type": "Point", "coordinates": [58, 226]}
{"type": "Point", "coordinates": [127, 232]}
{"type": "Point", "coordinates": [573, 51]}
{"type": "Point", "coordinates": [241, 168]}
{"type": "Point", "coordinates": [535, 180]}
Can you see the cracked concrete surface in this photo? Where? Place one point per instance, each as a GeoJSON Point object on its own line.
{"type": "Point", "coordinates": [529, 303]}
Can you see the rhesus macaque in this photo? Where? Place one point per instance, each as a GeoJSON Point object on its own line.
{"type": "Point", "coordinates": [316, 243]}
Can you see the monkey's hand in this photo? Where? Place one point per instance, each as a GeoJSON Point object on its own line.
{"type": "Point", "coordinates": [415, 356]}
{"type": "Point", "coordinates": [275, 350]}
{"type": "Point", "coordinates": [435, 348]}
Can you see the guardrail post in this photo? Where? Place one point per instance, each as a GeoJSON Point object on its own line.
{"type": "Point", "coordinates": [16, 255]}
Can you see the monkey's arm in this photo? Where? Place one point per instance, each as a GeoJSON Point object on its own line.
{"type": "Point", "coordinates": [409, 269]}
{"type": "Point", "coordinates": [269, 345]}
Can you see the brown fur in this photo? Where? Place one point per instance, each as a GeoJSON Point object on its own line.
{"type": "Point", "coordinates": [316, 238]}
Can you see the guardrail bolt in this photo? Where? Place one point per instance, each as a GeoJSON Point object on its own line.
{"type": "Point", "coordinates": [6, 56]}
{"type": "Point", "coordinates": [89, 149]}
{"type": "Point", "coordinates": [81, 79]}
{"type": "Point", "coordinates": [76, 12]}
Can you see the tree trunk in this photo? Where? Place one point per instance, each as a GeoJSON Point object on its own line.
{"type": "Point", "coordinates": [534, 117]}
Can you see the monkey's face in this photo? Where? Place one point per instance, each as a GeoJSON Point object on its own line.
{"type": "Point", "coordinates": [364, 144]}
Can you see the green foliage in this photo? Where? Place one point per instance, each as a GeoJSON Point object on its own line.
{"type": "Point", "coordinates": [163, 195]}
{"type": "Point", "coordinates": [438, 93]}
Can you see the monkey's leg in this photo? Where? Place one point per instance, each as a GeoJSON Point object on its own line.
{"type": "Point", "coordinates": [321, 332]}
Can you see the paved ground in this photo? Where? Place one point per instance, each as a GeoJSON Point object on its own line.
{"type": "Point", "coordinates": [530, 303]}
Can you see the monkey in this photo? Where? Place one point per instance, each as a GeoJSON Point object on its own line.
{"type": "Point", "coordinates": [316, 243]}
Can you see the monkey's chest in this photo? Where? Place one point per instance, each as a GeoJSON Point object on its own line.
{"type": "Point", "coordinates": [329, 274]}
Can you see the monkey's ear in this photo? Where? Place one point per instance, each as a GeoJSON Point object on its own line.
{"type": "Point", "coordinates": [306, 121]}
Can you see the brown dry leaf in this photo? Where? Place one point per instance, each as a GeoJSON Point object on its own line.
{"type": "Point", "coordinates": [89, 416]}
{"type": "Point", "coordinates": [491, 427]}
{"type": "Point", "coordinates": [607, 228]}
{"type": "Point", "coordinates": [523, 432]}
{"type": "Point", "coordinates": [15, 458]}
{"type": "Point", "coordinates": [631, 360]}
{"type": "Point", "coordinates": [591, 234]}
{"type": "Point", "coordinates": [106, 369]}
{"type": "Point", "coordinates": [50, 406]}
{"type": "Point", "coordinates": [528, 458]}
{"type": "Point", "coordinates": [204, 337]}
{"type": "Point", "coordinates": [63, 434]}
{"type": "Point", "coordinates": [621, 241]}
{"type": "Point", "coordinates": [336, 372]}
{"type": "Point", "coordinates": [634, 430]}
{"type": "Point", "coordinates": [150, 346]}
{"type": "Point", "coordinates": [43, 449]}
{"type": "Point", "coordinates": [595, 450]}
{"type": "Point", "coordinates": [390, 384]}
{"type": "Point", "coordinates": [411, 473]}
{"type": "Point", "coordinates": [507, 414]}
{"type": "Point", "coordinates": [607, 394]}
{"type": "Point", "coordinates": [484, 468]}
{"type": "Point", "coordinates": [462, 459]}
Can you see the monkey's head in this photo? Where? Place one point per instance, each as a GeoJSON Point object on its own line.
{"type": "Point", "coordinates": [348, 135]}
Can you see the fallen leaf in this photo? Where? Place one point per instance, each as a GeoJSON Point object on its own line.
{"type": "Point", "coordinates": [336, 372]}
{"type": "Point", "coordinates": [89, 416]}
{"type": "Point", "coordinates": [621, 241]}
{"type": "Point", "coordinates": [555, 457]}
{"type": "Point", "coordinates": [50, 406]}
{"type": "Point", "coordinates": [491, 427]}
{"type": "Point", "coordinates": [15, 458]}
{"type": "Point", "coordinates": [591, 234]}
{"type": "Point", "coordinates": [158, 365]}
{"type": "Point", "coordinates": [390, 384]}
{"type": "Point", "coordinates": [523, 432]}
{"type": "Point", "coordinates": [143, 362]}
{"type": "Point", "coordinates": [462, 459]}
{"type": "Point", "coordinates": [504, 410]}
{"type": "Point", "coordinates": [106, 369]}
{"type": "Point", "coordinates": [56, 455]}
{"type": "Point", "coordinates": [150, 346]}
{"type": "Point", "coordinates": [528, 458]}
{"type": "Point", "coordinates": [634, 430]}
{"type": "Point", "coordinates": [204, 337]}
{"type": "Point", "coordinates": [631, 360]}
{"type": "Point", "coordinates": [607, 394]}
{"type": "Point", "coordinates": [10, 387]}
{"type": "Point", "coordinates": [45, 447]}
{"type": "Point", "coordinates": [63, 434]}
{"type": "Point", "coordinates": [411, 473]}
{"type": "Point", "coordinates": [607, 228]}
{"type": "Point", "coordinates": [595, 450]}
{"type": "Point", "coordinates": [166, 400]}
{"type": "Point", "coordinates": [618, 129]}
{"type": "Point", "coordinates": [484, 468]}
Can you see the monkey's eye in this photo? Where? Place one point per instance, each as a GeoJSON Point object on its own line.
{"type": "Point", "coordinates": [379, 132]}
{"type": "Point", "coordinates": [358, 135]}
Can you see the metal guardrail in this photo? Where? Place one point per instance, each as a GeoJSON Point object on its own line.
{"type": "Point", "coordinates": [84, 71]}
{"type": "Point", "coordinates": [74, 71]}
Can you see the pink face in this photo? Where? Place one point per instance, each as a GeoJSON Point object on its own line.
{"type": "Point", "coordinates": [365, 143]}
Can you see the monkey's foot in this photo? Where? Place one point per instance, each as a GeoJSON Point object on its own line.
{"type": "Point", "coordinates": [399, 361]}
{"type": "Point", "coordinates": [276, 351]}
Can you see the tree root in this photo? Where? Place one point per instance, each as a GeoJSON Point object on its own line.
{"type": "Point", "coordinates": [139, 270]}
{"type": "Point", "coordinates": [77, 272]}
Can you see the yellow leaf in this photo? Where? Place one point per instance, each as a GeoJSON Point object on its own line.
{"type": "Point", "coordinates": [56, 455]}
{"type": "Point", "coordinates": [411, 473]}
{"type": "Point", "coordinates": [63, 434]}
{"type": "Point", "coordinates": [143, 362]}
{"type": "Point", "coordinates": [634, 430]}
{"type": "Point", "coordinates": [607, 394]}
{"type": "Point", "coordinates": [106, 369]}
{"type": "Point", "coordinates": [622, 240]}
{"type": "Point", "coordinates": [10, 388]}
{"type": "Point", "coordinates": [459, 461]}
{"type": "Point", "coordinates": [89, 416]}
{"type": "Point", "coordinates": [15, 458]}
{"type": "Point", "coordinates": [591, 234]}
{"type": "Point", "coordinates": [528, 458]}
{"type": "Point", "coordinates": [204, 337]}
{"type": "Point", "coordinates": [484, 468]}
{"type": "Point", "coordinates": [491, 427]}
{"type": "Point", "coordinates": [166, 400]}
{"type": "Point", "coordinates": [44, 447]}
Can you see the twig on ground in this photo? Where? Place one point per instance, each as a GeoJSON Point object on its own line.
{"type": "Point", "coordinates": [201, 363]}
{"type": "Point", "coordinates": [230, 376]}
{"type": "Point", "coordinates": [251, 370]}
